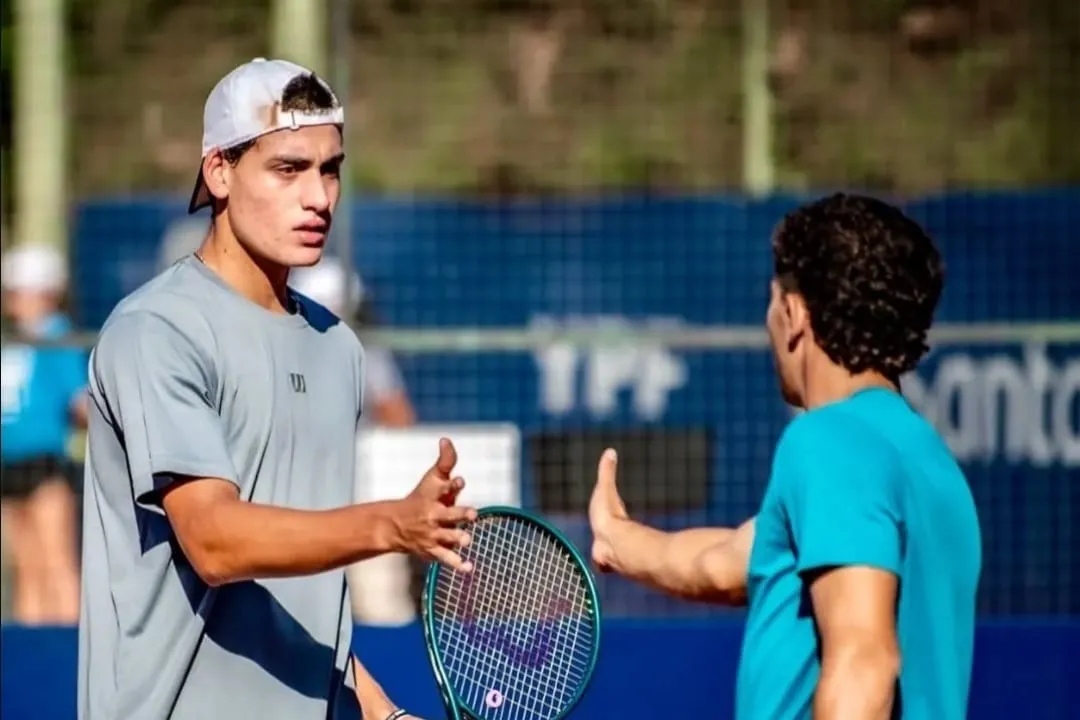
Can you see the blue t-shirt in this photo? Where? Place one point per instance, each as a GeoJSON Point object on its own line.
{"type": "Point", "coordinates": [39, 386]}
{"type": "Point", "coordinates": [864, 481]}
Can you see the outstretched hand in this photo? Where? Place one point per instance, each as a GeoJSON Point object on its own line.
{"type": "Point", "coordinates": [439, 481]}
{"type": "Point", "coordinates": [428, 521]}
{"type": "Point", "coordinates": [606, 507]}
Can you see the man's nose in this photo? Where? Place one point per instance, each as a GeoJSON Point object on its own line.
{"type": "Point", "coordinates": [316, 194]}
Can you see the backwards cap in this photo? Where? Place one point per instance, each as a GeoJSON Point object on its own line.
{"type": "Point", "coordinates": [246, 104]}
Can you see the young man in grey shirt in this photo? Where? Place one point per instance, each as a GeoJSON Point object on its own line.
{"type": "Point", "coordinates": [221, 457]}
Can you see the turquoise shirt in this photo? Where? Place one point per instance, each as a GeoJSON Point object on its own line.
{"type": "Point", "coordinates": [40, 386]}
{"type": "Point", "coordinates": [864, 481]}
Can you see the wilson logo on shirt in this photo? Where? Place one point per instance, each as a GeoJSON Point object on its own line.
{"type": "Point", "coordinates": [298, 383]}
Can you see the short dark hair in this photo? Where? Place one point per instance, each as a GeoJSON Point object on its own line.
{"type": "Point", "coordinates": [871, 278]}
{"type": "Point", "coordinates": [304, 93]}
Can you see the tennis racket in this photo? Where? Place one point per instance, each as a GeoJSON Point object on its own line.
{"type": "Point", "coordinates": [518, 637]}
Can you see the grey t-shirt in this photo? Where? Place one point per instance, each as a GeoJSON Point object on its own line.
{"type": "Point", "coordinates": [189, 378]}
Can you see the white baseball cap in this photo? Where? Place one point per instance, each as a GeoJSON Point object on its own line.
{"type": "Point", "coordinates": [246, 104]}
{"type": "Point", "coordinates": [36, 268]}
{"type": "Point", "coordinates": [330, 283]}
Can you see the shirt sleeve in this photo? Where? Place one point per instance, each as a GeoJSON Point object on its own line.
{"type": "Point", "coordinates": [840, 495]}
{"type": "Point", "coordinates": [159, 391]}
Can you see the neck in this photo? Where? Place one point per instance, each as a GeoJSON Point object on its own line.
{"type": "Point", "coordinates": [263, 283]}
{"type": "Point", "coordinates": [826, 382]}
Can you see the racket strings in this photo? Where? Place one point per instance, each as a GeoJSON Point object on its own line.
{"type": "Point", "coordinates": [516, 634]}
{"type": "Point", "coordinates": [493, 600]}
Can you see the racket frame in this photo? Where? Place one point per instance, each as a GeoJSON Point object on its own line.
{"type": "Point", "coordinates": [454, 707]}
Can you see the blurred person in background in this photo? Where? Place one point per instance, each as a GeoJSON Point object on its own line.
{"type": "Point", "coordinates": [44, 399]}
{"type": "Point", "coordinates": [381, 589]}
{"type": "Point", "coordinates": [332, 284]}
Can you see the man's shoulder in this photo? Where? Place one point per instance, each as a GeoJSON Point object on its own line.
{"type": "Point", "coordinates": [175, 296]}
{"type": "Point", "coordinates": [325, 322]}
{"type": "Point", "coordinates": [832, 436]}
{"type": "Point", "coordinates": [857, 422]}
{"type": "Point", "coordinates": [171, 309]}
{"type": "Point", "coordinates": [186, 278]}
{"type": "Point", "coordinates": [813, 429]}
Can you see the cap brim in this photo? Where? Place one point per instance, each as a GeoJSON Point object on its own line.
{"type": "Point", "coordinates": [200, 196]}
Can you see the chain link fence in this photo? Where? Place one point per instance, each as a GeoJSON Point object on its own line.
{"type": "Point", "coordinates": [561, 211]}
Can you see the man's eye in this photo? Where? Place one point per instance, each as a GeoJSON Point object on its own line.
{"type": "Point", "coordinates": [287, 169]}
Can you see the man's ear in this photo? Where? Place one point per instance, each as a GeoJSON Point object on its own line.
{"type": "Point", "coordinates": [216, 175]}
{"type": "Point", "coordinates": [798, 318]}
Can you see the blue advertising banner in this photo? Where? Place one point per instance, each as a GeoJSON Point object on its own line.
{"type": "Point", "coordinates": [1011, 411]}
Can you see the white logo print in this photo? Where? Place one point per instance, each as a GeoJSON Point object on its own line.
{"type": "Point", "coordinates": [493, 699]}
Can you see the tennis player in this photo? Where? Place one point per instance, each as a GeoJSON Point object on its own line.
{"type": "Point", "coordinates": [221, 459]}
{"type": "Point", "coordinates": [44, 402]}
{"type": "Point", "coordinates": [861, 565]}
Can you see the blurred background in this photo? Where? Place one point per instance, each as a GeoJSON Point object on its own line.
{"type": "Point", "coordinates": [555, 238]}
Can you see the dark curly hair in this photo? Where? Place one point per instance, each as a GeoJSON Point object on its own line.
{"type": "Point", "coordinates": [870, 276]}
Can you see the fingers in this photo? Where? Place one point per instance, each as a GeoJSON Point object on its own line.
{"type": "Point", "coordinates": [606, 472]}
{"type": "Point", "coordinates": [448, 541]}
{"type": "Point", "coordinates": [450, 496]}
{"type": "Point", "coordinates": [453, 538]}
{"type": "Point", "coordinates": [605, 502]}
{"type": "Point", "coordinates": [436, 483]}
{"type": "Point", "coordinates": [447, 459]}
{"type": "Point", "coordinates": [457, 514]}
{"type": "Point", "coordinates": [457, 485]}
{"type": "Point", "coordinates": [451, 559]}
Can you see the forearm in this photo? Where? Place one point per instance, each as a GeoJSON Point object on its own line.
{"type": "Point", "coordinates": [374, 702]}
{"type": "Point", "coordinates": [697, 564]}
{"type": "Point", "coordinates": [395, 411]}
{"type": "Point", "coordinates": [241, 541]}
{"type": "Point", "coordinates": [856, 684]}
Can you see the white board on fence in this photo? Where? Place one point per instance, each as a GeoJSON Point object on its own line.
{"type": "Point", "coordinates": [391, 461]}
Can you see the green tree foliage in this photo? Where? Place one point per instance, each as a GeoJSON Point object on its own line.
{"type": "Point", "coordinates": [482, 96]}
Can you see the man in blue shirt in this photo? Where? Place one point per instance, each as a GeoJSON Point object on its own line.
{"type": "Point", "coordinates": [43, 400]}
{"type": "Point", "coordinates": [860, 568]}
